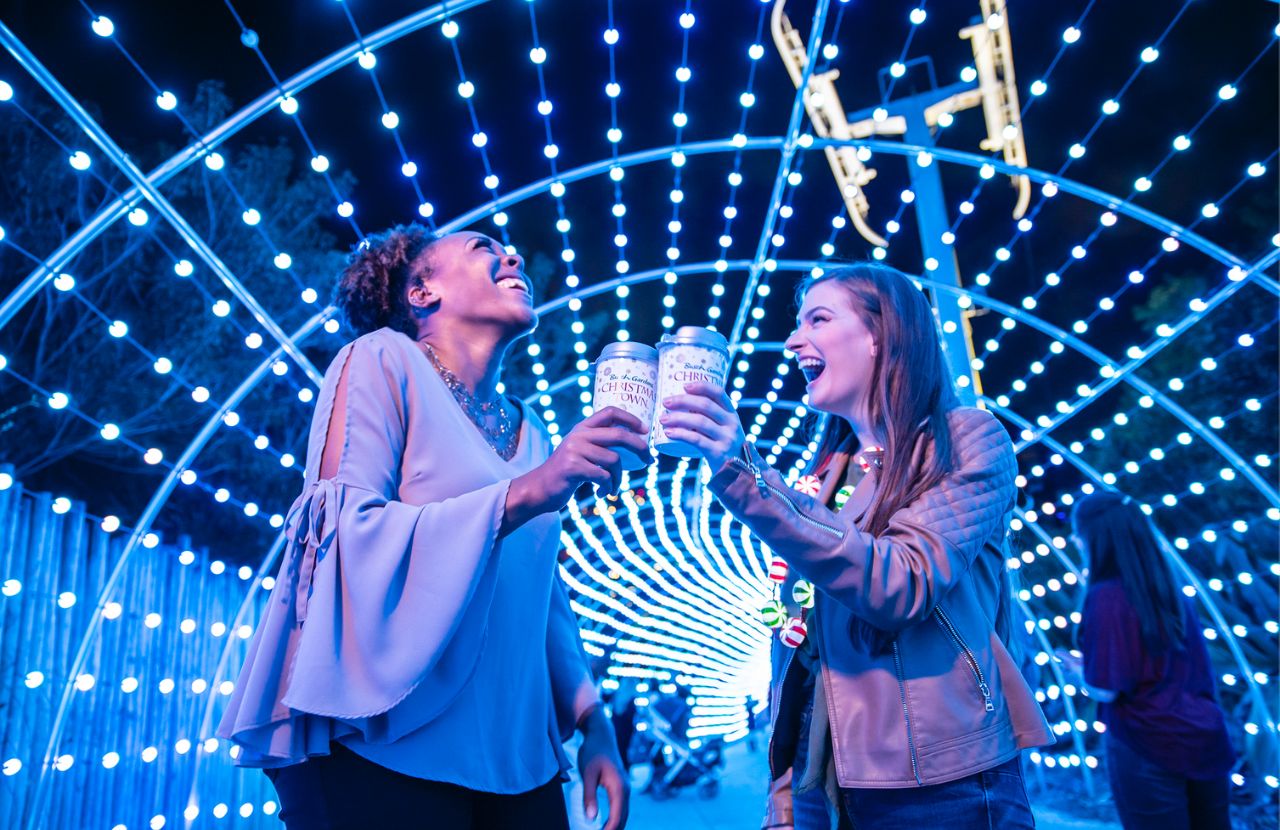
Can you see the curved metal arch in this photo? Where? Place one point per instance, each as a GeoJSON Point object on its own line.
{"type": "Point", "coordinates": [120, 159]}
{"type": "Point", "coordinates": [1021, 315]}
{"type": "Point", "coordinates": [158, 499]}
{"type": "Point", "coordinates": [175, 164]}
{"type": "Point", "coordinates": [1206, 598]}
{"type": "Point", "coordinates": [959, 157]}
{"type": "Point", "coordinates": [206, 721]}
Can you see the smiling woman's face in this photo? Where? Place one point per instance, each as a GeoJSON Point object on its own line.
{"type": "Point", "coordinates": [835, 350]}
{"type": "Point", "coordinates": [471, 279]}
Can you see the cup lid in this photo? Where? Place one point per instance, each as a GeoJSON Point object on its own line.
{"type": "Point", "coordinates": [696, 336]}
{"type": "Point", "coordinates": [626, 348]}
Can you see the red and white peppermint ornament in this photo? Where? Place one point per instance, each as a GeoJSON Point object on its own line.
{"type": "Point", "coordinates": [870, 457]}
{"type": "Point", "coordinates": [809, 485]}
{"type": "Point", "coordinates": [794, 632]}
{"type": "Point", "coordinates": [778, 570]}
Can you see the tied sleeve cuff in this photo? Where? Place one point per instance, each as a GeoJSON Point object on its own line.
{"type": "Point", "coordinates": [311, 528]}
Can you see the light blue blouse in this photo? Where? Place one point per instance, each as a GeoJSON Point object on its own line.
{"type": "Point", "coordinates": [400, 624]}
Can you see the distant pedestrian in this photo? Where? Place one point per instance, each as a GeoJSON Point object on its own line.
{"type": "Point", "coordinates": [1146, 663]}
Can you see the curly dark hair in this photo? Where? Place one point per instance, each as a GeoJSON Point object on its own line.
{"type": "Point", "coordinates": [371, 288]}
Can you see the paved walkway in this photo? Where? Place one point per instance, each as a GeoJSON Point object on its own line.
{"type": "Point", "coordinates": [738, 806]}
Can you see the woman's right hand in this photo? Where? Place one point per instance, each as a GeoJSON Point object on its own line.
{"type": "Point", "coordinates": [586, 454]}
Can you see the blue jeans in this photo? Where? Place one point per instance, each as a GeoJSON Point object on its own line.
{"type": "Point", "coordinates": [809, 809]}
{"type": "Point", "coordinates": [1150, 796]}
{"type": "Point", "coordinates": [993, 799]}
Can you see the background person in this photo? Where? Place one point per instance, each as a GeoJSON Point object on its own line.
{"type": "Point", "coordinates": [1146, 663]}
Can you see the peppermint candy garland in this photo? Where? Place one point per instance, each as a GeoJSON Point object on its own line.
{"type": "Point", "coordinates": [773, 613]}
{"type": "Point", "coordinates": [809, 485]}
{"type": "Point", "coordinates": [778, 570]}
{"type": "Point", "coordinates": [802, 593]}
{"type": "Point", "coordinates": [794, 633]}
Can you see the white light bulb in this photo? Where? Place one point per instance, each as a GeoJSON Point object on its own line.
{"type": "Point", "coordinates": [214, 161]}
{"type": "Point", "coordinates": [390, 120]}
{"type": "Point", "coordinates": [1039, 88]}
{"type": "Point", "coordinates": [289, 105]}
{"type": "Point", "coordinates": [320, 163]}
{"type": "Point", "coordinates": [166, 100]}
{"type": "Point", "coordinates": [367, 60]}
{"type": "Point", "coordinates": [102, 26]}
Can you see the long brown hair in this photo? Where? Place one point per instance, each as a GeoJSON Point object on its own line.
{"type": "Point", "coordinates": [911, 390]}
{"type": "Point", "coordinates": [1120, 543]}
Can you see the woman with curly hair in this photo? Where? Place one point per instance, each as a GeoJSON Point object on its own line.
{"type": "Point", "coordinates": [418, 663]}
{"type": "Point", "coordinates": [901, 707]}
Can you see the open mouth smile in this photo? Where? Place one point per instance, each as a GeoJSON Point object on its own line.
{"type": "Point", "coordinates": [515, 283]}
{"type": "Point", "coordinates": [811, 367]}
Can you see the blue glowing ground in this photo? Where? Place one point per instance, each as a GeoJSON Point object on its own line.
{"type": "Point", "coordinates": [739, 806]}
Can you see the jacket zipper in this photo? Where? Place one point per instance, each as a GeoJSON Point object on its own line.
{"type": "Point", "coordinates": [950, 630]}
{"type": "Point", "coordinates": [906, 713]}
{"type": "Point", "coordinates": [766, 488]}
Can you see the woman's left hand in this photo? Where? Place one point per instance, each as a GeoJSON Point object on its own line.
{"type": "Point", "coordinates": [704, 417]}
{"type": "Point", "coordinates": [600, 766]}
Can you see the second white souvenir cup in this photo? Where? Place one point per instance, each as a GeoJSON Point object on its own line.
{"type": "Point", "coordinates": [691, 354]}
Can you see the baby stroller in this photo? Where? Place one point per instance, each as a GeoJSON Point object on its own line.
{"type": "Point", "coordinates": [677, 761]}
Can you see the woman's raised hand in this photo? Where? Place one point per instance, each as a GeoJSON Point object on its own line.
{"type": "Point", "coordinates": [704, 417]}
{"type": "Point", "coordinates": [587, 454]}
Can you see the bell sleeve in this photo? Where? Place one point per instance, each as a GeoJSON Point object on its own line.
{"type": "Point", "coordinates": [377, 598]}
{"type": "Point", "coordinates": [572, 688]}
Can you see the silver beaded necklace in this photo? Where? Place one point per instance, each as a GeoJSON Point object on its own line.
{"type": "Point", "coordinates": [506, 437]}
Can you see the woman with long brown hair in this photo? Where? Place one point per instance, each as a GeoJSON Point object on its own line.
{"type": "Point", "coordinates": [1146, 663]}
{"type": "Point", "coordinates": [418, 664]}
{"type": "Point", "coordinates": [902, 704]}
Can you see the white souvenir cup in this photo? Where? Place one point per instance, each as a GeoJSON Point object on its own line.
{"type": "Point", "coordinates": [627, 377]}
{"type": "Point", "coordinates": [691, 354]}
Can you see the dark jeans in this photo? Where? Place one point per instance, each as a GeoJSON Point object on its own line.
{"type": "Point", "coordinates": [343, 791]}
{"type": "Point", "coordinates": [1150, 796]}
{"type": "Point", "coordinates": [994, 799]}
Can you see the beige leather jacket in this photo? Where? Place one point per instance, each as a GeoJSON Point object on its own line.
{"type": "Point", "coordinates": [946, 699]}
